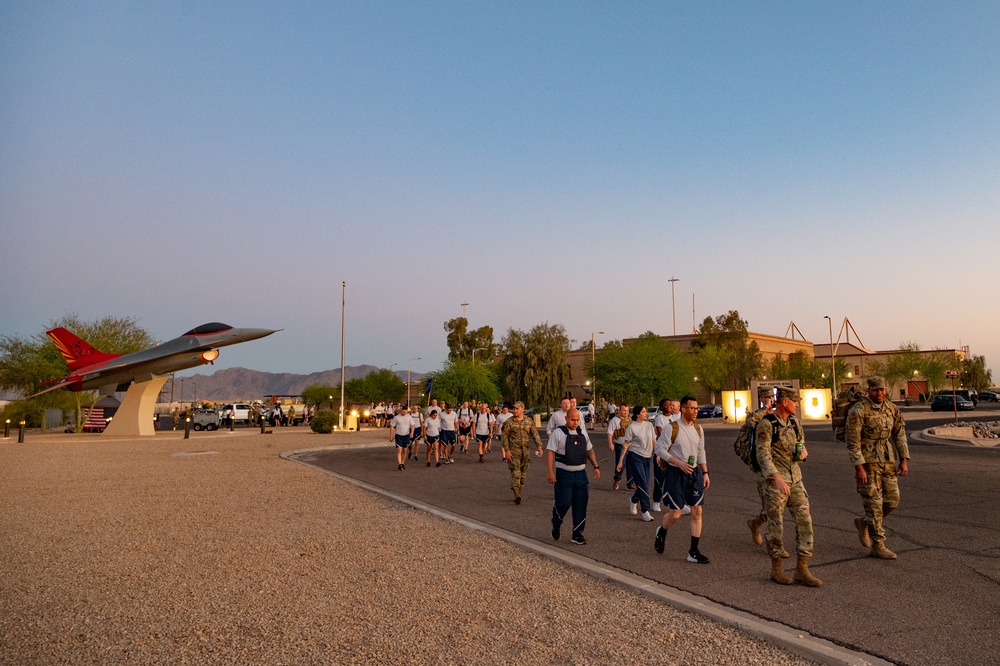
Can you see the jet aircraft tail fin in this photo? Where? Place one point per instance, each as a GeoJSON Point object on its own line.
{"type": "Point", "coordinates": [77, 353]}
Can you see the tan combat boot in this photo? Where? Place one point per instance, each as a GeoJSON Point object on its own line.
{"type": "Point", "coordinates": [863, 536]}
{"type": "Point", "coordinates": [881, 552]}
{"type": "Point", "coordinates": [802, 574]}
{"type": "Point", "coordinates": [777, 575]}
{"type": "Point", "coordinates": [754, 525]}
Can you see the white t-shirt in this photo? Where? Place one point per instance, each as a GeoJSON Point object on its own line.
{"type": "Point", "coordinates": [432, 427]}
{"type": "Point", "coordinates": [402, 423]}
{"type": "Point", "coordinates": [417, 419]}
{"type": "Point", "coordinates": [448, 420]}
{"type": "Point", "coordinates": [557, 419]}
{"type": "Point", "coordinates": [464, 415]}
{"type": "Point", "coordinates": [557, 443]}
{"type": "Point", "coordinates": [501, 419]}
{"type": "Point", "coordinates": [690, 442]}
{"type": "Point", "coordinates": [662, 421]}
{"type": "Point", "coordinates": [640, 437]}
{"type": "Point", "coordinates": [483, 422]}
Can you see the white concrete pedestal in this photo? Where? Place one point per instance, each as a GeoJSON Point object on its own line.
{"type": "Point", "coordinates": [135, 416]}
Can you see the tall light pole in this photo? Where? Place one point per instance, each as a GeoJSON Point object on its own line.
{"type": "Point", "coordinates": [474, 353]}
{"type": "Point", "coordinates": [833, 357]}
{"type": "Point", "coordinates": [673, 307]}
{"type": "Point", "coordinates": [593, 364]}
{"type": "Point", "coordinates": [463, 309]}
{"type": "Point", "coordinates": [408, 378]}
{"type": "Point", "coordinates": [343, 311]}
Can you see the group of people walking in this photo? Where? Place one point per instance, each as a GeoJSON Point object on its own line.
{"type": "Point", "coordinates": [670, 451]}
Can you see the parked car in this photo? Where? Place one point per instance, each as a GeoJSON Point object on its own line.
{"type": "Point", "coordinates": [947, 403]}
{"type": "Point", "coordinates": [971, 396]}
{"type": "Point", "coordinates": [989, 396]}
{"type": "Point", "coordinates": [241, 411]}
{"type": "Point", "coordinates": [586, 412]}
{"type": "Point", "coordinates": [710, 412]}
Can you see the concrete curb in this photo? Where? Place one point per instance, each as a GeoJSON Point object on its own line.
{"type": "Point", "coordinates": [925, 437]}
{"type": "Point", "coordinates": [794, 640]}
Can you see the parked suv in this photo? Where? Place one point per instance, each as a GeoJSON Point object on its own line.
{"type": "Point", "coordinates": [241, 414]}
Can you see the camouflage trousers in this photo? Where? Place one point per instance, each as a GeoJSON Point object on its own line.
{"type": "Point", "coordinates": [798, 504]}
{"type": "Point", "coordinates": [880, 497]}
{"type": "Point", "coordinates": [761, 482]}
{"type": "Point", "coordinates": [520, 459]}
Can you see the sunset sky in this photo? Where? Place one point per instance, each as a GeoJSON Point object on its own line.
{"type": "Point", "coordinates": [186, 162]}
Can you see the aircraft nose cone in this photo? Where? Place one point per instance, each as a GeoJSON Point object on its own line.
{"type": "Point", "coordinates": [255, 333]}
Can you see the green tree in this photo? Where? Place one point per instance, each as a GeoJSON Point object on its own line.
{"type": "Point", "coordinates": [713, 366]}
{"type": "Point", "coordinates": [643, 370]}
{"type": "Point", "coordinates": [376, 386]}
{"type": "Point", "coordinates": [465, 380]}
{"type": "Point", "coordinates": [318, 394]}
{"type": "Point", "coordinates": [462, 342]}
{"type": "Point", "coordinates": [535, 364]}
{"type": "Point", "coordinates": [975, 374]}
{"type": "Point", "coordinates": [729, 334]}
{"type": "Point", "coordinates": [27, 364]}
{"type": "Point", "coordinates": [810, 372]}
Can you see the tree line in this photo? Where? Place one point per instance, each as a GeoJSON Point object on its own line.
{"type": "Point", "coordinates": [531, 366]}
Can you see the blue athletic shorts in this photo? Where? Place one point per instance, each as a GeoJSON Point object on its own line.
{"type": "Point", "coordinates": [680, 488]}
{"type": "Point", "coordinates": [433, 439]}
{"type": "Point", "coordinates": [482, 438]}
{"type": "Point", "coordinates": [448, 437]}
{"type": "Point", "coordinates": [403, 441]}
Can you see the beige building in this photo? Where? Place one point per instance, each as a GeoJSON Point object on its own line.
{"type": "Point", "coordinates": [859, 359]}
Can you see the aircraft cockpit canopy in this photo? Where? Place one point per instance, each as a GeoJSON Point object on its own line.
{"type": "Point", "coordinates": [213, 327]}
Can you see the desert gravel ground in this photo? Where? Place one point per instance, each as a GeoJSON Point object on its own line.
{"type": "Point", "coordinates": [216, 551]}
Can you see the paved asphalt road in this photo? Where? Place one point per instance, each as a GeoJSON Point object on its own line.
{"type": "Point", "coordinates": [938, 604]}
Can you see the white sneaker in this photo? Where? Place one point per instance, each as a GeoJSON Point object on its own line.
{"type": "Point", "coordinates": [645, 516]}
{"type": "Point", "coordinates": [656, 506]}
{"type": "Point", "coordinates": [686, 510]}
{"type": "Point", "coordinates": [633, 508]}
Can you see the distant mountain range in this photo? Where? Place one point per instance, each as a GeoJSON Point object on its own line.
{"type": "Point", "coordinates": [245, 384]}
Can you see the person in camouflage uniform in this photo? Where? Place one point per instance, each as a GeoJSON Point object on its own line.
{"type": "Point", "coordinates": [876, 440]}
{"type": "Point", "coordinates": [515, 439]}
{"type": "Point", "coordinates": [765, 395]}
{"type": "Point", "coordinates": [777, 436]}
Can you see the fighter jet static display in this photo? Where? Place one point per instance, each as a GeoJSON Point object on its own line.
{"type": "Point", "coordinates": [90, 368]}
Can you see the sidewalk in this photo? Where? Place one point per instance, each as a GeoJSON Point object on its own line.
{"type": "Point", "coordinates": [214, 550]}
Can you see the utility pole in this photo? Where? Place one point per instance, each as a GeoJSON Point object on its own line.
{"type": "Point", "coordinates": [673, 306]}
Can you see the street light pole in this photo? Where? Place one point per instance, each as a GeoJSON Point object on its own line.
{"type": "Point", "coordinates": [673, 306]}
{"type": "Point", "coordinates": [474, 353]}
{"type": "Point", "coordinates": [408, 378]}
{"type": "Point", "coordinates": [343, 310]}
{"type": "Point", "coordinates": [833, 357]}
{"type": "Point", "coordinates": [593, 364]}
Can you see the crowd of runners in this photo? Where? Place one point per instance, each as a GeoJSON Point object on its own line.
{"type": "Point", "coordinates": [668, 448]}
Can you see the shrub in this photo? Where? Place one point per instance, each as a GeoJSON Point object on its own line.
{"type": "Point", "coordinates": [324, 421]}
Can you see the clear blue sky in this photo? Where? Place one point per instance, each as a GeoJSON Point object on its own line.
{"type": "Point", "coordinates": [184, 162]}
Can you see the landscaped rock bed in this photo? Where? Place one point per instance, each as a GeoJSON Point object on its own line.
{"type": "Point", "coordinates": [980, 429]}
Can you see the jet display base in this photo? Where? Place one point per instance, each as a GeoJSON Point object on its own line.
{"type": "Point", "coordinates": [135, 416]}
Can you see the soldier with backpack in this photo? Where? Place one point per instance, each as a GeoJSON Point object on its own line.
{"type": "Point", "coordinates": [746, 451]}
{"type": "Point", "coordinates": [876, 440]}
{"type": "Point", "coordinates": [780, 445]}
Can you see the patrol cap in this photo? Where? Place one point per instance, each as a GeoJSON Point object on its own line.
{"type": "Point", "coordinates": [876, 382]}
{"type": "Point", "coordinates": [789, 393]}
{"type": "Point", "coordinates": [765, 391]}
{"type": "Point", "coordinates": [518, 405]}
